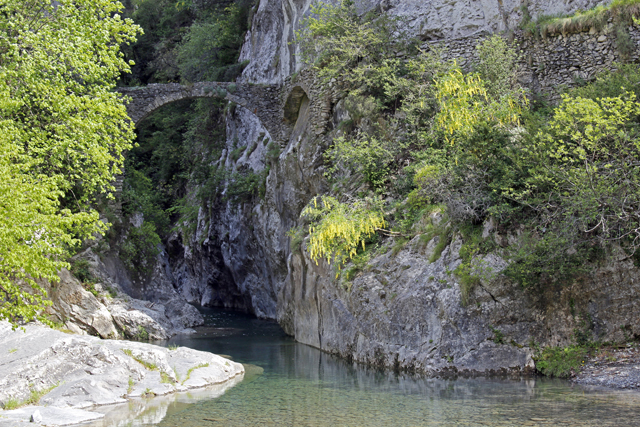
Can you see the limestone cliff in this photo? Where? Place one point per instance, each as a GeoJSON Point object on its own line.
{"type": "Point", "coordinates": [403, 311]}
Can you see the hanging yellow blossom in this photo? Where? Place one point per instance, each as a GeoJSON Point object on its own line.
{"type": "Point", "coordinates": [340, 227]}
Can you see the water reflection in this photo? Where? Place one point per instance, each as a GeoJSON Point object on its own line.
{"type": "Point", "coordinates": [301, 386]}
{"type": "Point", "coordinates": [151, 411]}
{"type": "Point", "coordinates": [304, 387]}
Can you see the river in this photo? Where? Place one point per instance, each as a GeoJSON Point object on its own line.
{"type": "Point", "coordinates": [291, 384]}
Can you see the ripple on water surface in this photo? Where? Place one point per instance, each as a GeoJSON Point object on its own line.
{"type": "Point", "coordinates": [301, 386]}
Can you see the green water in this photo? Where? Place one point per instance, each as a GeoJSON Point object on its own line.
{"type": "Point", "coordinates": [301, 386]}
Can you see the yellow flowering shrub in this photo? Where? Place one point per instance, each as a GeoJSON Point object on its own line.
{"type": "Point", "coordinates": [338, 228]}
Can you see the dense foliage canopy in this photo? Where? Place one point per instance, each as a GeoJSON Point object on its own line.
{"type": "Point", "coordinates": [187, 40]}
{"type": "Point", "coordinates": [63, 131]}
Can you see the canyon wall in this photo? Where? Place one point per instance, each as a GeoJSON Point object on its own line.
{"type": "Point", "coordinates": [402, 311]}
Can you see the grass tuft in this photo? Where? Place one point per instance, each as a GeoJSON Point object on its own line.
{"type": "Point", "coordinates": [147, 365]}
{"type": "Point", "coordinates": [202, 365]}
{"type": "Point", "coordinates": [165, 379]}
{"type": "Point", "coordinates": [33, 399]}
{"type": "Point", "coordinates": [621, 12]}
{"type": "Point", "coordinates": [399, 245]}
{"type": "Point", "coordinates": [445, 240]}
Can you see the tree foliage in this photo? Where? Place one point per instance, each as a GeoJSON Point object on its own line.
{"type": "Point", "coordinates": [364, 155]}
{"type": "Point", "coordinates": [211, 46]}
{"type": "Point", "coordinates": [359, 50]}
{"type": "Point", "coordinates": [490, 95]}
{"type": "Point", "coordinates": [62, 135]}
{"type": "Point", "coordinates": [187, 40]}
{"type": "Point", "coordinates": [165, 23]}
{"type": "Point", "coordinates": [585, 178]}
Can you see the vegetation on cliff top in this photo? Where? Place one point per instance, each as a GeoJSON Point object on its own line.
{"type": "Point", "coordinates": [619, 11]}
{"type": "Point", "coordinates": [62, 136]}
{"type": "Point", "coordinates": [422, 132]}
{"type": "Point", "coordinates": [187, 40]}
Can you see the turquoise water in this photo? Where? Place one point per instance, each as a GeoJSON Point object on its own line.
{"type": "Point", "coordinates": [301, 386]}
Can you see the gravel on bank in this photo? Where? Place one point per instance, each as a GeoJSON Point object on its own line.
{"type": "Point", "coordinates": [612, 367]}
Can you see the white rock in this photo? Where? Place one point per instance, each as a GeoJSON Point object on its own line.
{"type": "Point", "coordinates": [85, 371]}
{"type": "Point", "coordinates": [36, 417]}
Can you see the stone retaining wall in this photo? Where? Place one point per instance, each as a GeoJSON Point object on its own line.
{"type": "Point", "coordinates": [549, 64]}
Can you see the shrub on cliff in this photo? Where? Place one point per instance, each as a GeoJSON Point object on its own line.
{"type": "Point", "coordinates": [338, 229]}
{"type": "Point", "coordinates": [140, 249]}
{"type": "Point", "coordinates": [475, 129]}
{"type": "Point", "coordinates": [583, 186]}
{"type": "Point", "coordinates": [359, 50]}
{"type": "Point", "coordinates": [424, 129]}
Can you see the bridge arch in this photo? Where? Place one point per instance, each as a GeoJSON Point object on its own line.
{"type": "Point", "coordinates": [278, 106]}
{"type": "Point", "coordinates": [262, 100]}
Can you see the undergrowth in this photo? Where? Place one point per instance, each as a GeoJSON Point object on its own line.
{"type": "Point", "coordinates": [562, 362]}
{"type": "Point", "coordinates": [472, 268]}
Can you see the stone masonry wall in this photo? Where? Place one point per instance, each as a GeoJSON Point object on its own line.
{"type": "Point", "coordinates": [267, 102]}
{"type": "Point", "coordinates": [549, 64]}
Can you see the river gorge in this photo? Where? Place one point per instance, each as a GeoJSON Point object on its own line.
{"type": "Point", "coordinates": [288, 383]}
{"type": "Point", "coordinates": [448, 309]}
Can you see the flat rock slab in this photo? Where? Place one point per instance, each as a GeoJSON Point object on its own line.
{"type": "Point", "coordinates": [50, 416]}
{"type": "Point", "coordinates": [79, 372]}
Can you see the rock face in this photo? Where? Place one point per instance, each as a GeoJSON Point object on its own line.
{"type": "Point", "coordinates": [109, 312]}
{"type": "Point", "coordinates": [403, 311]}
{"type": "Point", "coordinates": [408, 313]}
{"type": "Point", "coordinates": [271, 47]}
{"type": "Point", "coordinates": [79, 372]}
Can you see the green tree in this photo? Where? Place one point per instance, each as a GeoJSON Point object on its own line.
{"type": "Point", "coordinates": [359, 50]}
{"type": "Point", "coordinates": [364, 155]}
{"type": "Point", "coordinates": [465, 102]}
{"type": "Point", "coordinates": [498, 67]}
{"type": "Point", "coordinates": [211, 46]}
{"type": "Point", "coordinates": [62, 134]}
{"type": "Point", "coordinates": [586, 181]}
{"type": "Point", "coordinates": [165, 22]}
{"type": "Point", "coordinates": [478, 117]}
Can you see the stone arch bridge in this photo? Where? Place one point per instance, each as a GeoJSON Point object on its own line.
{"type": "Point", "coordinates": [276, 106]}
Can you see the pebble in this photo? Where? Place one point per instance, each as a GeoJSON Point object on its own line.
{"type": "Point", "coordinates": [36, 417]}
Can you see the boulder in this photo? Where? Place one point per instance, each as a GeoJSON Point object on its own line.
{"type": "Point", "coordinates": [80, 372]}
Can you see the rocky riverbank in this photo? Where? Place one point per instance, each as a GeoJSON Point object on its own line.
{"type": "Point", "coordinates": [612, 367]}
{"type": "Point", "coordinates": [70, 375]}
{"type": "Point", "coordinates": [109, 305]}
